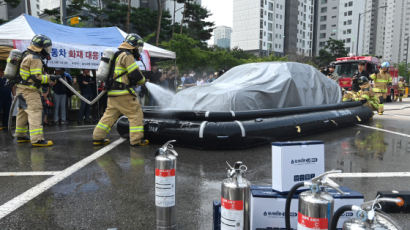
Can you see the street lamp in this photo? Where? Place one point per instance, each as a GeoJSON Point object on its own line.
{"type": "Point", "coordinates": [358, 27]}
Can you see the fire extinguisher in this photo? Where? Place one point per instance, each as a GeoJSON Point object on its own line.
{"type": "Point", "coordinates": [367, 216]}
{"type": "Point", "coordinates": [165, 166]}
{"type": "Point", "coordinates": [235, 199]}
{"type": "Point", "coordinates": [315, 205]}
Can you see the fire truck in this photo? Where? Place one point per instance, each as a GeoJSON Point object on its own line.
{"type": "Point", "coordinates": [346, 67]}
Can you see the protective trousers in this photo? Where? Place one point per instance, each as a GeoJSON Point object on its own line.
{"type": "Point", "coordinates": [30, 113]}
{"type": "Point", "coordinates": [127, 105]}
{"type": "Point", "coordinates": [381, 97]}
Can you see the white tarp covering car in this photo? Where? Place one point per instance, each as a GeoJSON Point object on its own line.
{"type": "Point", "coordinates": [259, 86]}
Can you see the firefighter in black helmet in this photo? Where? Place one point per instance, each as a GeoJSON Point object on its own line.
{"type": "Point", "coordinates": [122, 98]}
{"type": "Point", "coordinates": [366, 94]}
{"type": "Point", "coordinates": [29, 117]}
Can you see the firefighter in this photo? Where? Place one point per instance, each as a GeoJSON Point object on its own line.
{"type": "Point", "coordinates": [401, 88]}
{"type": "Point", "coordinates": [332, 75]}
{"type": "Point", "coordinates": [366, 94]}
{"type": "Point", "coordinates": [381, 82]}
{"type": "Point", "coordinates": [360, 72]}
{"type": "Point", "coordinates": [28, 91]}
{"type": "Point", "coordinates": [349, 96]}
{"type": "Point", "coordinates": [122, 98]}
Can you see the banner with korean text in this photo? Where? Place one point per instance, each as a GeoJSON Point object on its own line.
{"type": "Point", "coordinates": [79, 56]}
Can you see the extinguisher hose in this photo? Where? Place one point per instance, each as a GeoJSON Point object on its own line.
{"type": "Point", "coordinates": [288, 200]}
{"type": "Point", "coordinates": [338, 214]}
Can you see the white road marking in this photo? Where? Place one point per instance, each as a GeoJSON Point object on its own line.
{"type": "Point", "coordinates": [34, 173]}
{"type": "Point", "coordinates": [385, 130]}
{"type": "Point", "coordinates": [32, 193]}
{"type": "Point", "coordinates": [68, 131]}
{"type": "Point", "coordinates": [370, 175]}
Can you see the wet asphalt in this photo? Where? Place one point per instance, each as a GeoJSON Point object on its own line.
{"type": "Point", "coordinates": [117, 190]}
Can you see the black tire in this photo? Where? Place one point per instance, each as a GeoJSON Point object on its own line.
{"type": "Point", "coordinates": [390, 97]}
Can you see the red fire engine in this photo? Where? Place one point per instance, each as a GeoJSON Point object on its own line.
{"type": "Point", "coordinates": [346, 67]}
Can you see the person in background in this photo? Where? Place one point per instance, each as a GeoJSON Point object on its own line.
{"type": "Point", "coordinates": [60, 97]}
{"type": "Point", "coordinates": [154, 77]}
{"type": "Point", "coordinates": [5, 101]}
{"type": "Point", "coordinates": [200, 81]}
{"type": "Point", "coordinates": [332, 75]}
{"type": "Point", "coordinates": [360, 72]}
{"type": "Point", "coordinates": [163, 81]}
{"type": "Point", "coordinates": [190, 80]}
{"type": "Point", "coordinates": [210, 78]}
{"type": "Point", "coordinates": [87, 89]}
{"type": "Point", "coordinates": [172, 79]}
{"type": "Point", "coordinates": [382, 80]}
{"type": "Point", "coordinates": [402, 88]}
{"type": "Point", "coordinates": [47, 104]}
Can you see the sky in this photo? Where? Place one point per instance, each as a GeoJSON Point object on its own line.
{"type": "Point", "coordinates": [221, 12]}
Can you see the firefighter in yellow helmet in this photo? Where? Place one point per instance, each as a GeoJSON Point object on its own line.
{"type": "Point", "coordinates": [381, 81]}
{"type": "Point", "coordinates": [29, 117]}
{"type": "Point", "coordinates": [122, 98]}
{"type": "Point", "coordinates": [401, 88]}
{"type": "Point", "coordinates": [366, 94]}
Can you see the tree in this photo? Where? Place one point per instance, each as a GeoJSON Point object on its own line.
{"type": "Point", "coordinates": [160, 6]}
{"type": "Point", "coordinates": [332, 50]}
{"type": "Point", "coordinates": [403, 71]}
{"type": "Point", "coordinates": [194, 17]}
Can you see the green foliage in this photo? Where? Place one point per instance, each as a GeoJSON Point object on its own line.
{"type": "Point", "coordinates": [195, 18]}
{"type": "Point", "coordinates": [403, 71]}
{"type": "Point", "coordinates": [333, 49]}
{"type": "Point", "coordinates": [192, 56]}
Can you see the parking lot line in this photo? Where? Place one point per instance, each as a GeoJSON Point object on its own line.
{"type": "Point", "coordinates": [33, 173]}
{"type": "Point", "coordinates": [384, 130]}
{"type": "Point", "coordinates": [33, 192]}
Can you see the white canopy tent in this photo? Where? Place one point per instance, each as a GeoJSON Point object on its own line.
{"type": "Point", "coordinates": [70, 42]}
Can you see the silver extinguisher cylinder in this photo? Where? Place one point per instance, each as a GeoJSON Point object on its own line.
{"type": "Point", "coordinates": [315, 210]}
{"type": "Point", "coordinates": [165, 173]}
{"type": "Point", "coordinates": [235, 195]}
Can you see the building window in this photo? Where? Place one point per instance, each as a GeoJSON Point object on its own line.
{"type": "Point", "coordinates": [270, 26]}
{"type": "Point", "coordinates": [334, 16]}
{"type": "Point", "coordinates": [261, 24]}
{"type": "Point", "coordinates": [349, 31]}
{"type": "Point", "coordinates": [348, 40]}
{"type": "Point", "coordinates": [322, 35]}
{"type": "Point", "coordinates": [334, 25]}
{"type": "Point", "coordinates": [270, 37]}
{"type": "Point", "coordinates": [270, 6]}
{"type": "Point", "coordinates": [323, 10]}
{"type": "Point", "coordinates": [323, 1]}
{"type": "Point", "coordinates": [261, 34]}
{"type": "Point", "coordinates": [323, 18]}
{"type": "Point", "coordinates": [270, 16]}
{"type": "Point", "coordinates": [322, 44]}
{"type": "Point", "coordinates": [323, 27]}
{"type": "Point", "coordinates": [334, 8]}
{"type": "Point", "coordinates": [351, 3]}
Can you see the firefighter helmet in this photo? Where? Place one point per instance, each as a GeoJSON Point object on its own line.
{"type": "Point", "coordinates": [362, 80]}
{"type": "Point", "coordinates": [135, 40]}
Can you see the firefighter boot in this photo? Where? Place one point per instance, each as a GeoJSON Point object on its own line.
{"type": "Point", "coordinates": [23, 139]}
{"type": "Point", "coordinates": [143, 142]}
{"type": "Point", "coordinates": [42, 143]}
{"type": "Point", "coordinates": [381, 109]}
{"type": "Point", "coordinates": [101, 142]}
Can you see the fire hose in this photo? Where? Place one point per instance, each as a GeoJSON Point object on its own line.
{"type": "Point", "coordinates": [13, 104]}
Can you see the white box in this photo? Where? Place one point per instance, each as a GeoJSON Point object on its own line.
{"type": "Point", "coordinates": [268, 207]}
{"type": "Point", "coordinates": [294, 162]}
